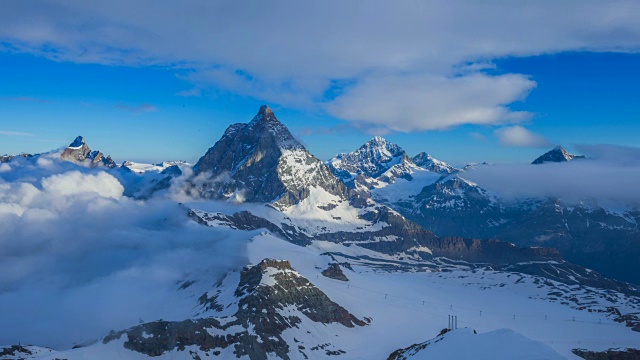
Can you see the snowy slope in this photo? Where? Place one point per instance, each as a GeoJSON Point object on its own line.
{"type": "Point", "coordinates": [288, 218]}
{"type": "Point", "coordinates": [465, 344]}
{"type": "Point", "coordinates": [143, 167]}
{"type": "Point", "coordinates": [392, 295]}
{"type": "Point", "coordinates": [403, 305]}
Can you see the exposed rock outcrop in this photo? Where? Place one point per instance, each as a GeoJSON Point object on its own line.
{"type": "Point", "coordinates": [271, 298]}
{"type": "Point", "coordinates": [334, 271]}
{"type": "Point", "coordinates": [79, 152]}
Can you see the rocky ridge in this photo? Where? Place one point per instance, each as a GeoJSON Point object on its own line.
{"type": "Point", "coordinates": [271, 298]}
{"type": "Point", "coordinates": [79, 152]}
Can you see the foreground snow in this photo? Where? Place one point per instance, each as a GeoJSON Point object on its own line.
{"type": "Point", "coordinates": [394, 300]}
{"type": "Point", "coordinates": [464, 344]}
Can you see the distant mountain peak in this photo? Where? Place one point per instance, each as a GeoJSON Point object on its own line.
{"type": "Point", "coordinates": [372, 159]}
{"type": "Point", "coordinates": [557, 154]}
{"type": "Point", "coordinates": [77, 143]}
{"type": "Point", "coordinates": [79, 152]}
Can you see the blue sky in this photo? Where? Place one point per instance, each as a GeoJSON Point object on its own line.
{"type": "Point", "coordinates": [145, 94]}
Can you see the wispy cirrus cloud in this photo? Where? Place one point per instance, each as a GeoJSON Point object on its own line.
{"type": "Point", "coordinates": [137, 109]}
{"type": "Point", "coordinates": [14, 133]}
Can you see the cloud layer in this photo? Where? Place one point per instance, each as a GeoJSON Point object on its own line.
{"type": "Point", "coordinates": [409, 66]}
{"type": "Point", "coordinates": [79, 259]}
{"type": "Point", "coordinates": [610, 177]}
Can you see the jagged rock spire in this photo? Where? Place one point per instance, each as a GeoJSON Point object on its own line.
{"type": "Point", "coordinates": [78, 142]}
{"type": "Point", "coordinates": [79, 152]}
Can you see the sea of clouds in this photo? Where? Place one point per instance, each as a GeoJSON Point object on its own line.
{"type": "Point", "coordinates": [609, 176]}
{"type": "Point", "coordinates": [78, 259]}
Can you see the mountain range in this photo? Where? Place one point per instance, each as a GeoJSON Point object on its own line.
{"type": "Point", "coordinates": [345, 256]}
{"type": "Point", "coordinates": [449, 204]}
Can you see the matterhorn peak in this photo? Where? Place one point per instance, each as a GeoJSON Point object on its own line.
{"type": "Point", "coordinates": [262, 162]}
{"type": "Point", "coordinates": [264, 115]}
{"type": "Point", "coordinates": [265, 110]}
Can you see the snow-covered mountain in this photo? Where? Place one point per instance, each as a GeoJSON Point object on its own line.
{"type": "Point", "coordinates": [586, 233]}
{"type": "Point", "coordinates": [79, 152]}
{"type": "Point", "coordinates": [430, 163]}
{"type": "Point", "coordinates": [356, 275]}
{"type": "Point", "coordinates": [262, 162]}
{"type": "Point", "coordinates": [376, 159]}
{"type": "Point", "coordinates": [293, 310]}
{"type": "Point", "coordinates": [379, 162]}
{"type": "Point", "coordinates": [557, 154]}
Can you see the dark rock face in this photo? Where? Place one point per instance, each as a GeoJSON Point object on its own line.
{"type": "Point", "coordinates": [612, 354]}
{"type": "Point", "coordinates": [20, 352]}
{"type": "Point", "coordinates": [79, 152]}
{"type": "Point", "coordinates": [245, 220]}
{"type": "Point", "coordinates": [264, 291]}
{"type": "Point", "coordinates": [262, 162]}
{"type": "Point", "coordinates": [334, 271]}
{"type": "Point", "coordinates": [557, 154]}
{"type": "Point", "coordinates": [15, 350]}
{"type": "Point", "coordinates": [409, 352]}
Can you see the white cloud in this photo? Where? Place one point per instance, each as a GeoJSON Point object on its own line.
{"type": "Point", "coordinates": [518, 136]}
{"type": "Point", "coordinates": [609, 178]}
{"type": "Point", "coordinates": [417, 103]}
{"type": "Point", "coordinates": [137, 109]}
{"type": "Point", "coordinates": [78, 259]}
{"type": "Point", "coordinates": [292, 53]}
{"type": "Point", "coordinates": [14, 133]}
{"type": "Point", "coordinates": [75, 182]}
